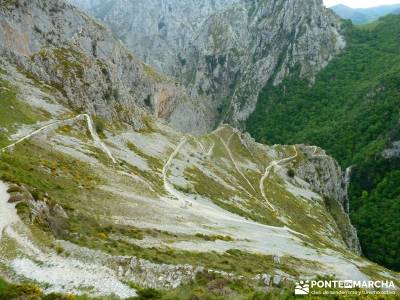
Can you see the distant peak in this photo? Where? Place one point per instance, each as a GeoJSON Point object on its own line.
{"type": "Point", "coordinates": [341, 5]}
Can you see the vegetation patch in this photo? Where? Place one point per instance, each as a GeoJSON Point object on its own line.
{"type": "Point", "coordinates": [149, 71]}
{"type": "Point", "coordinates": [14, 112]}
{"type": "Point", "coordinates": [353, 112]}
{"type": "Point", "coordinates": [154, 163]}
{"type": "Point", "coordinates": [214, 238]}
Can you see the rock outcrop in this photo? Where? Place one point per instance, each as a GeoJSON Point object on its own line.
{"type": "Point", "coordinates": [154, 207]}
{"type": "Point", "coordinates": [326, 177]}
{"type": "Point", "coordinates": [55, 43]}
{"type": "Point", "coordinates": [225, 52]}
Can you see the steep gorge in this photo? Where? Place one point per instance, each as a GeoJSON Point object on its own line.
{"type": "Point", "coordinates": [224, 52]}
{"type": "Point", "coordinates": [99, 196]}
{"type": "Point", "coordinates": [352, 111]}
{"type": "Point", "coordinates": [85, 65]}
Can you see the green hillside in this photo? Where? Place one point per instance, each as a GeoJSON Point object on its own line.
{"type": "Point", "coordinates": [353, 111]}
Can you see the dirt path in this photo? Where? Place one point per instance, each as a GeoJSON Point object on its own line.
{"type": "Point", "coordinates": [56, 124]}
{"type": "Point", "coordinates": [239, 134]}
{"type": "Point", "coordinates": [167, 186]}
{"type": "Point", "coordinates": [228, 150]}
{"type": "Point", "coordinates": [201, 145]}
{"type": "Point", "coordinates": [96, 137]}
{"type": "Point", "coordinates": [255, 236]}
{"type": "Point", "coordinates": [267, 172]}
{"type": "Point", "coordinates": [210, 151]}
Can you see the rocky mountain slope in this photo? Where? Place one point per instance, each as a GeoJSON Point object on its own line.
{"type": "Point", "coordinates": [89, 68]}
{"type": "Point", "coordinates": [225, 51]}
{"type": "Point", "coordinates": [99, 197]}
{"type": "Point", "coordinates": [158, 208]}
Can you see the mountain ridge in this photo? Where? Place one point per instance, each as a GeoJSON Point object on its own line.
{"type": "Point", "coordinates": [86, 63]}
{"type": "Point", "coordinates": [365, 15]}
{"type": "Point", "coordinates": [100, 206]}
{"type": "Point", "coordinates": [224, 52]}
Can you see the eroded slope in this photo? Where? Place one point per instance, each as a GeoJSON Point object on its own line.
{"type": "Point", "coordinates": [169, 207]}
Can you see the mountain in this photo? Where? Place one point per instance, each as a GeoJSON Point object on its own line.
{"type": "Point", "coordinates": [352, 111]}
{"type": "Point", "coordinates": [98, 196]}
{"type": "Point", "coordinates": [89, 68]}
{"type": "Point", "coordinates": [224, 52]}
{"type": "Point", "coordinates": [365, 15]}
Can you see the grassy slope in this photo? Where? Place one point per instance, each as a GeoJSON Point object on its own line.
{"type": "Point", "coordinates": [353, 112]}
{"type": "Point", "coordinates": [14, 112]}
{"type": "Point", "coordinates": [60, 176]}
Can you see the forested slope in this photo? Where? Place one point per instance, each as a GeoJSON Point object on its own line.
{"type": "Point", "coordinates": [352, 110]}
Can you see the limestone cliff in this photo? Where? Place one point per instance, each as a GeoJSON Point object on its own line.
{"type": "Point", "coordinates": [90, 206]}
{"type": "Point", "coordinates": [59, 45]}
{"type": "Point", "coordinates": [225, 51]}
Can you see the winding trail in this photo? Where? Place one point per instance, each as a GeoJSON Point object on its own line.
{"type": "Point", "coordinates": [259, 237]}
{"type": "Point", "coordinates": [167, 186]}
{"type": "Point", "coordinates": [214, 211]}
{"type": "Point", "coordinates": [56, 124]}
{"type": "Point", "coordinates": [267, 172]}
{"type": "Point", "coordinates": [201, 145]}
{"type": "Point", "coordinates": [246, 146]}
{"type": "Point", "coordinates": [32, 134]}
{"type": "Point", "coordinates": [210, 151]}
{"type": "Point", "coordinates": [250, 229]}
{"type": "Point", "coordinates": [228, 150]}
{"type": "Point", "coordinates": [97, 139]}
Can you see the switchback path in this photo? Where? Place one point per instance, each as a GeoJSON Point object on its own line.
{"type": "Point", "coordinates": [267, 172]}
{"type": "Point", "coordinates": [57, 123]}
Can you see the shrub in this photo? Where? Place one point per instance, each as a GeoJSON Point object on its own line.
{"type": "Point", "coordinates": [291, 173]}
{"type": "Point", "coordinates": [149, 293]}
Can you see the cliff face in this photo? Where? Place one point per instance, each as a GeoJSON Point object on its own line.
{"type": "Point", "coordinates": [225, 51]}
{"type": "Point", "coordinates": [101, 205]}
{"type": "Point", "coordinates": [327, 178]}
{"type": "Point", "coordinates": [61, 46]}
